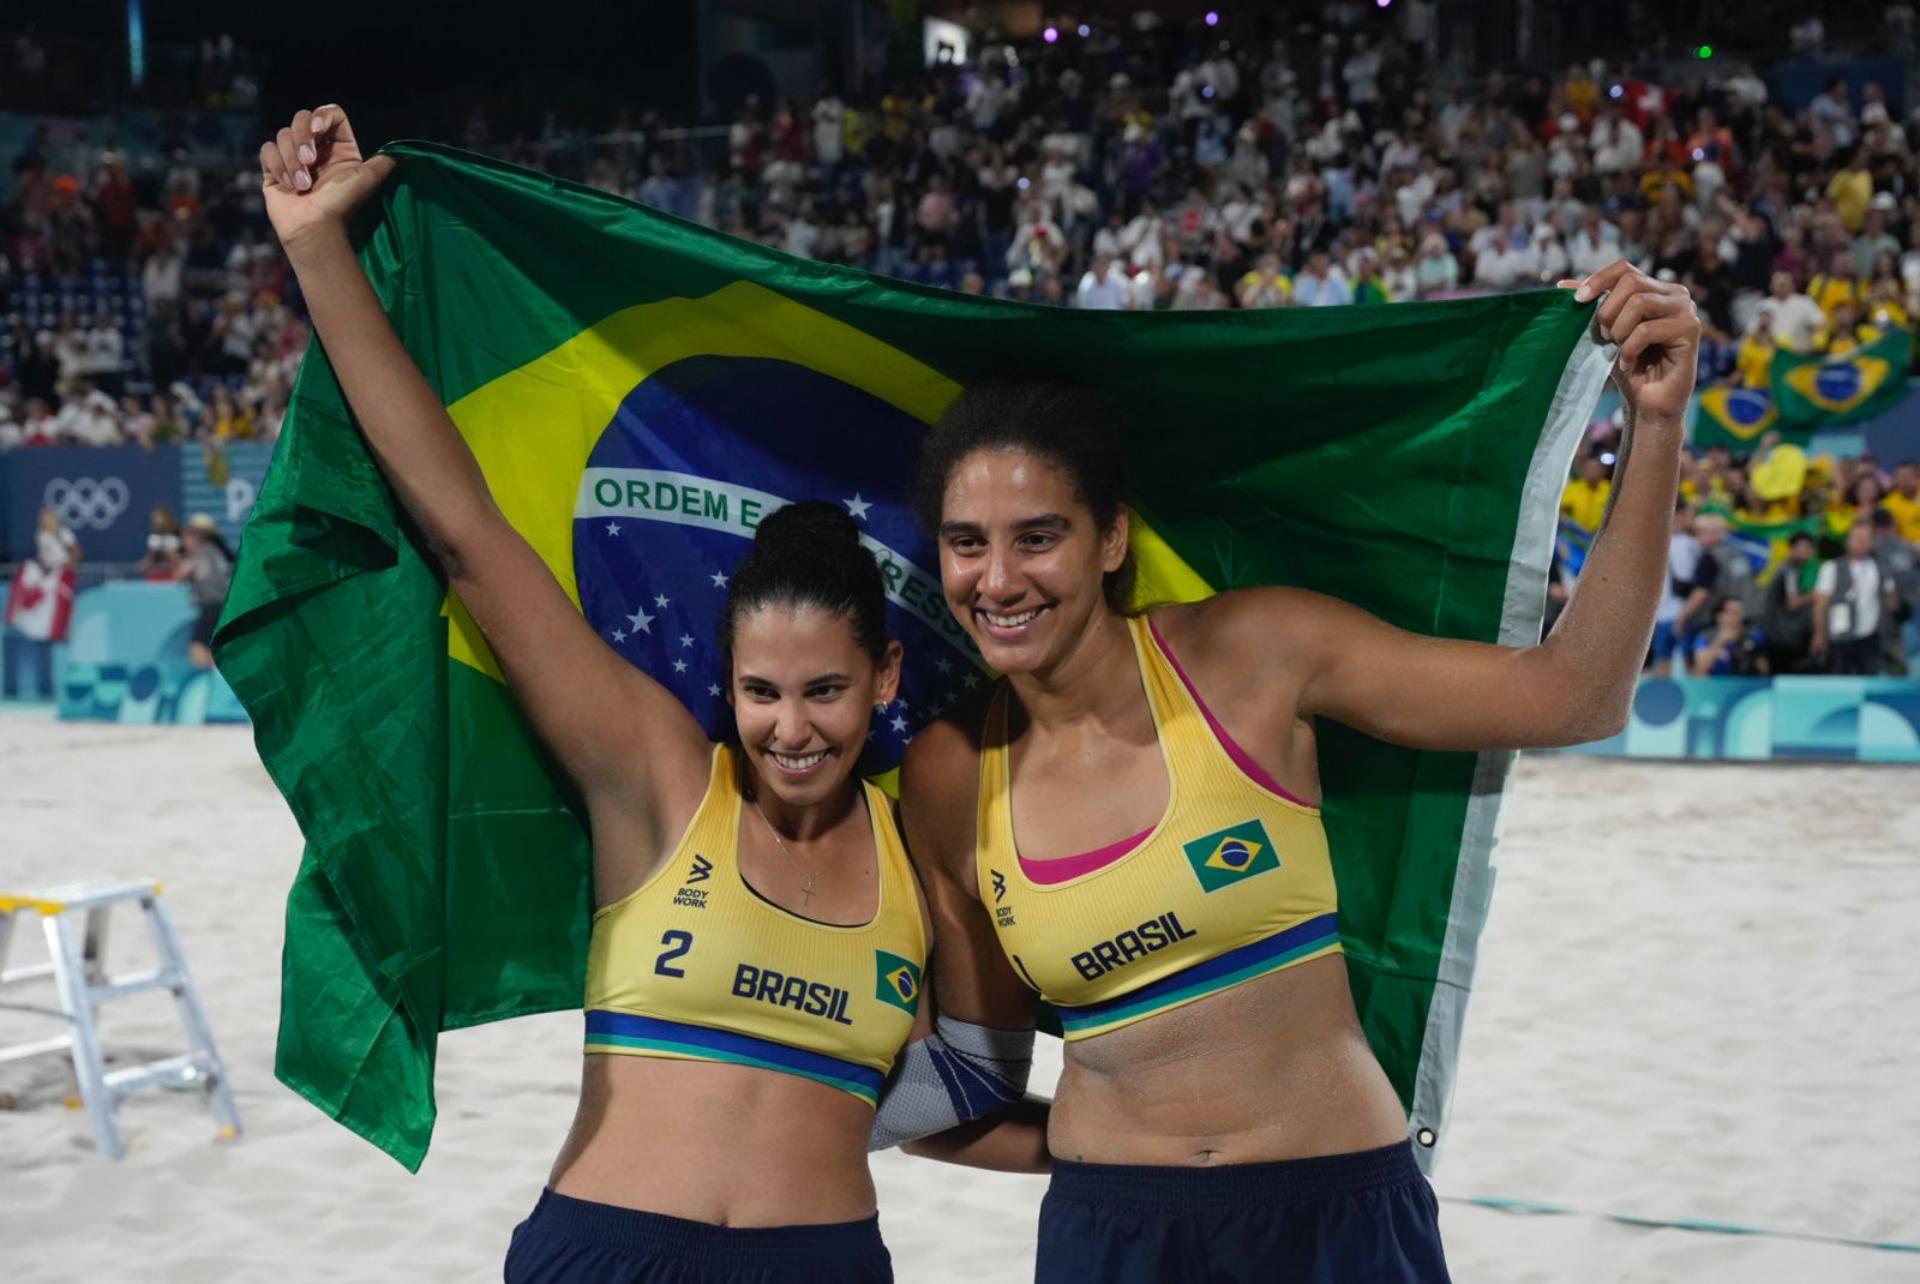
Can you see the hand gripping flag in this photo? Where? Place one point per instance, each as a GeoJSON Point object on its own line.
{"type": "Point", "coordinates": [640, 392]}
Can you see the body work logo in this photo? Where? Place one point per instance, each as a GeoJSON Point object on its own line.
{"type": "Point", "coordinates": [1230, 855]}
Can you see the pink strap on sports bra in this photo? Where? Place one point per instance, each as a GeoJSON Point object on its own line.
{"type": "Point", "coordinates": [1046, 872]}
{"type": "Point", "coordinates": [1241, 758]}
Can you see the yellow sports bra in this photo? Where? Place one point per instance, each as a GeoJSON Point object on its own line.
{"type": "Point", "coordinates": [695, 965]}
{"type": "Point", "coordinates": [1233, 883]}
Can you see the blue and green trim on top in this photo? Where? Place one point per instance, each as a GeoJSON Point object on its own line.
{"type": "Point", "coordinates": [1284, 948]}
{"type": "Point", "coordinates": [634, 1035]}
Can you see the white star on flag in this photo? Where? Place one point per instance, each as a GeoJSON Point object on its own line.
{"type": "Point", "coordinates": [713, 688]}
{"type": "Point", "coordinates": [642, 621]}
{"type": "Point", "coordinates": [719, 580]}
{"type": "Point", "coordinates": [661, 601]}
{"type": "Point", "coordinates": [898, 723]}
{"type": "Point", "coordinates": [619, 635]}
{"type": "Point", "coordinates": [857, 506]}
{"type": "Point", "coordinates": [613, 528]}
{"type": "Point", "coordinates": [972, 680]}
{"type": "Point", "coordinates": [943, 664]}
{"type": "Point", "coordinates": [686, 639]}
{"type": "Point", "coordinates": [679, 666]}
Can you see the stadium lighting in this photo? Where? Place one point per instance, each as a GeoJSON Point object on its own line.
{"type": "Point", "coordinates": [1213, 18]}
{"type": "Point", "coordinates": [1085, 31]}
{"type": "Point", "coordinates": [1050, 35]}
{"type": "Point", "coordinates": [1704, 52]}
{"type": "Point", "coordinates": [1381, 4]}
{"type": "Point", "coordinates": [1617, 91]}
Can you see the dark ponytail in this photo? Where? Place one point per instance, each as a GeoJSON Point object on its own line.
{"type": "Point", "coordinates": [810, 554]}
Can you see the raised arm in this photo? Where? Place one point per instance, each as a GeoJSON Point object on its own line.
{"type": "Point", "coordinates": [1576, 686]}
{"type": "Point", "coordinates": [621, 736]}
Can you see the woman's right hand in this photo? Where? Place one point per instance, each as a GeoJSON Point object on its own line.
{"type": "Point", "coordinates": [314, 175]}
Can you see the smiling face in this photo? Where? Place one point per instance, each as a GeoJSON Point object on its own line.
{"type": "Point", "coordinates": [1022, 560]}
{"type": "Point", "coordinates": [803, 694]}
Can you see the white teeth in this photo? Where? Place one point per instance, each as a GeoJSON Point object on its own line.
{"type": "Point", "coordinates": [798, 763]}
{"type": "Point", "coordinates": [1010, 621]}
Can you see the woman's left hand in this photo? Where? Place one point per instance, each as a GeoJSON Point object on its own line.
{"type": "Point", "coordinates": [1658, 331]}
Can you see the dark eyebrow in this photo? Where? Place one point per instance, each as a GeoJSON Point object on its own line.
{"type": "Point", "coordinates": [1041, 522]}
{"type": "Point", "coordinates": [810, 682]}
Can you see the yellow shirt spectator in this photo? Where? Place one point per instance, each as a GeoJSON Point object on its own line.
{"type": "Point", "coordinates": [1584, 503]}
{"type": "Point", "coordinates": [1841, 342]}
{"type": "Point", "coordinates": [1754, 364]}
{"type": "Point", "coordinates": [1888, 314]}
{"type": "Point", "coordinates": [1259, 289]}
{"type": "Point", "coordinates": [1851, 191]}
{"type": "Point", "coordinates": [1906, 514]}
{"type": "Point", "coordinates": [1831, 291]}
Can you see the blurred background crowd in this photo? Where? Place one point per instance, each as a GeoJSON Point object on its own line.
{"type": "Point", "coordinates": [1284, 156]}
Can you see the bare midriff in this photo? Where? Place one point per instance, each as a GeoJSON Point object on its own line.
{"type": "Point", "coordinates": [1274, 1069]}
{"type": "Point", "coordinates": [725, 1145]}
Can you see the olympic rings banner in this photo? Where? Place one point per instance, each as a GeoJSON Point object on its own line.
{"type": "Point", "coordinates": [102, 493]}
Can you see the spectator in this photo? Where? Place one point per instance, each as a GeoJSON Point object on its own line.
{"type": "Point", "coordinates": [1849, 597]}
{"type": "Point", "coordinates": [206, 564]}
{"type": "Point", "coordinates": [1437, 272]}
{"type": "Point", "coordinates": [161, 561]}
{"type": "Point", "coordinates": [1896, 557]}
{"type": "Point", "coordinates": [1797, 319]}
{"type": "Point", "coordinates": [1730, 648]}
{"type": "Point", "coordinates": [1104, 286]}
{"type": "Point", "coordinates": [1683, 557]}
{"type": "Point", "coordinates": [1264, 285]}
{"type": "Point", "coordinates": [1584, 501]}
{"type": "Point", "coordinates": [1787, 619]}
{"type": "Point", "coordinates": [1321, 283]}
{"type": "Point", "coordinates": [54, 546]}
{"type": "Point", "coordinates": [1722, 571]}
{"type": "Point", "coordinates": [1903, 502]}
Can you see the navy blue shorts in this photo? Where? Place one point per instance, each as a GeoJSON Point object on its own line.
{"type": "Point", "coordinates": [576, 1241]}
{"type": "Point", "coordinates": [1368, 1216]}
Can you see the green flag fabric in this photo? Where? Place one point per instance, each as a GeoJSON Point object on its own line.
{"type": "Point", "coordinates": [640, 391]}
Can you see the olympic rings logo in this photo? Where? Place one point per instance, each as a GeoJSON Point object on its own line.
{"type": "Point", "coordinates": [86, 504]}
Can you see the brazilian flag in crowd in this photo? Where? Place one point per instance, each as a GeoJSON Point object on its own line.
{"type": "Point", "coordinates": [1808, 393]}
{"type": "Point", "coordinates": [641, 391]}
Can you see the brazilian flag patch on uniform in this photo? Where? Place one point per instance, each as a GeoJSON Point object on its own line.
{"type": "Point", "coordinates": [1226, 856]}
{"type": "Point", "coordinates": [899, 981]}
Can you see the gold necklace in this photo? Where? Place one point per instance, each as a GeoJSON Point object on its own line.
{"type": "Point", "coordinates": [806, 875]}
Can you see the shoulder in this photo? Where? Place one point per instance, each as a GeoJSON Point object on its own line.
{"type": "Point", "coordinates": [940, 781]}
{"type": "Point", "coordinates": [944, 755]}
{"type": "Point", "coordinates": [1246, 622]}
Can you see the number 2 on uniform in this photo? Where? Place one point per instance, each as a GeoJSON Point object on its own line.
{"type": "Point", "coordinates": [677, 943]}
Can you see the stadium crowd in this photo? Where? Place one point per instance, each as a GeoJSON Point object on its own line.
{"type": "Point", "coordinates": [1152, 166]}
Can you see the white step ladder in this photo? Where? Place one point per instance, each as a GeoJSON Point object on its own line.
{"type": "Point", "coordinates": [79, 973]}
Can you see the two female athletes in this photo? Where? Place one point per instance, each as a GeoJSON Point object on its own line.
{"type": "Point", "coordinates": [1127, 825]}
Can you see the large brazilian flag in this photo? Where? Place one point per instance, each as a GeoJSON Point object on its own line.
{"type": "Point", "coordinates": [641, 391]}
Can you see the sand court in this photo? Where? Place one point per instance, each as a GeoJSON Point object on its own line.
{"type": "Point", "coordinates": [1699, 998]}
